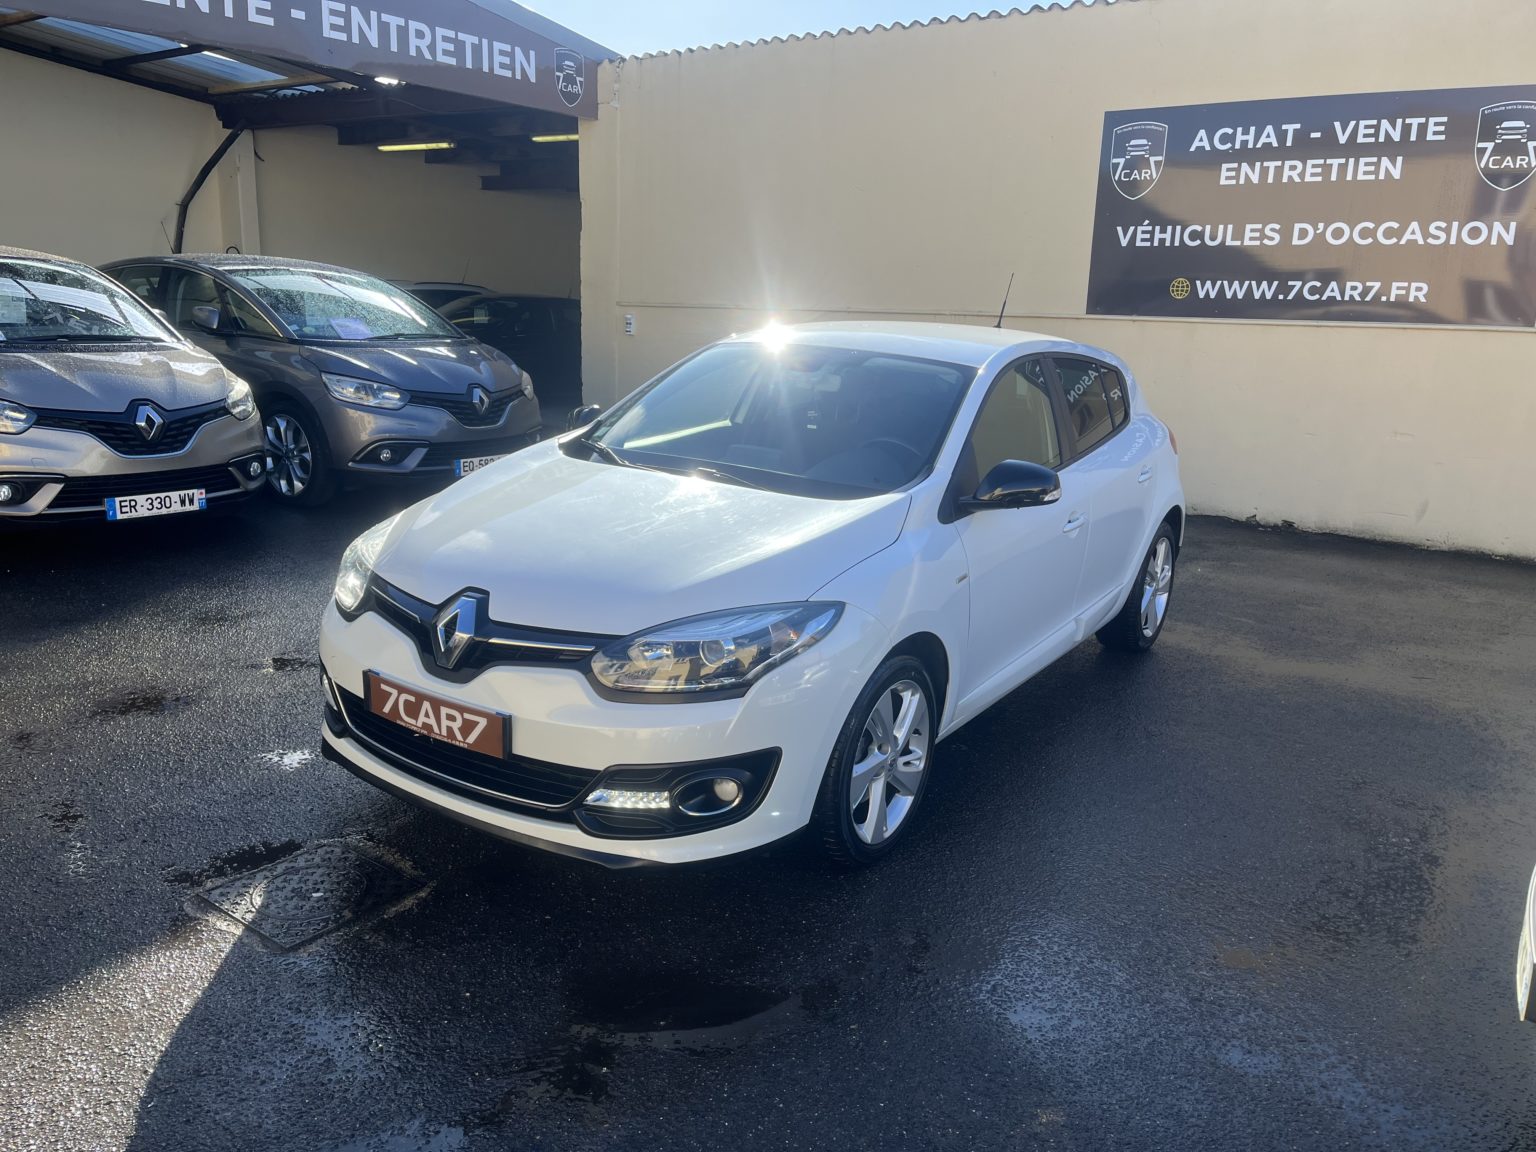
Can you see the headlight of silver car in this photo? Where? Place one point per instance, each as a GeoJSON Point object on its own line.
{"type": "Point", "coordinates": [14, 419]}
{"type": "Point", "coordinates": [240, 402]}
{"type": "Point", "coordinates": [357, 565]}
{"type": "Point", "coordinates": [370, 393]}
{"type": "Point", "coordinates": [715, 652]}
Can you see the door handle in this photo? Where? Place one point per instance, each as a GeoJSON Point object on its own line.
{"type": "Point", "coordinates": [1074, 522]}
{"type": "Point", "coordinates": [1144, 475]}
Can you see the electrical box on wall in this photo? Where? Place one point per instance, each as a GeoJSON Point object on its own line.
{"type": "Point", "coordinates": [629, 323]}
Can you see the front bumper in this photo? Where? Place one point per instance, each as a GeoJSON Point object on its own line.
{"type": "Point", "coordinates": [422, 439]}
{"type": "Point", "coordinates": [66, 475]}
{"type": "Point", "coordinates": [559, 722]}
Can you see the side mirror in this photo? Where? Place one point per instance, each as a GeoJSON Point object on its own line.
{"type": "Point", "coordinates": [206, 317]}
{"type": "Point", "coordinates": [581, 416]}
{"type": "Point", "coordinates": [1015, 484]}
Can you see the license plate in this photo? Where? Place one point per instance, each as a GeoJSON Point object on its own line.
{"type": "Point", "coordinates": [156, 504]}
{"type": "Point", "coordinates": [438, 718]}
{"type": "Point", "coordinates": [474, 464]}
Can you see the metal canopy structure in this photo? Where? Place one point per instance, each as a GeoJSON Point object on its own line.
{"type": "Point", "coordinates": [479, 78]}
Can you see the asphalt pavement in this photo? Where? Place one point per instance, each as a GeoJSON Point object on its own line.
{"type": "Point", "coordinates": [1258, 890]}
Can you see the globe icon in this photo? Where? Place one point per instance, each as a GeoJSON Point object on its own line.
{"type": "Point", "coordinates": [1179, 289]}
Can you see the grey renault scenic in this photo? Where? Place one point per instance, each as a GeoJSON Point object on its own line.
{"type": "Point", "coordinates": [105, 412]}
{"type": "Point", "coordinates": [354, 376]}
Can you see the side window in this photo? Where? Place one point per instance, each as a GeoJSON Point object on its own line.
{"type": "Point", "coordinates": [185, 292]}
{"type": "Point", "coordinates": [1016, 422]}
{"type": "Point", "coordinates": [143, 280]}
{"type": "Point", "coordinates": [1088, 409]}
{"type": "Point", "coordinates": [241, 316]}
{"type": "Point", "coordinates": [1119, 407]}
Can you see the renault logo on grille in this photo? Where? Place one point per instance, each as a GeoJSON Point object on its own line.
{"type": "Point", "coordinates": [480, 398]}
{"type": "Point", "coordinates": [454, 628]}
{"type": "Point", "coordinates": [148, 421]}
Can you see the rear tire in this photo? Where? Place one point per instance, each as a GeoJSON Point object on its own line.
{"type": "Point", "coordinates": [1140, 620]}
{"type": "Point", "coordinates": [879, 767]}
{"type": "Point", "coordinates": [299, 469]}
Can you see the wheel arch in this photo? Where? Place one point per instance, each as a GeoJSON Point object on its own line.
{"type": "Point", "coordinates": [929, 650]}
{"type": "Point", "coordinates": [1175, 520]}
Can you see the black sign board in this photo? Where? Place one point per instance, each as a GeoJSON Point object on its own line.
{"type": "Point", "coordinates": [1390, 207]}
{"type": "Point", "coordinates": [499, 50]}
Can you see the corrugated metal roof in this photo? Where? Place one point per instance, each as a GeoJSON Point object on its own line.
{"type": "Point", "coordinates": [864, 30]}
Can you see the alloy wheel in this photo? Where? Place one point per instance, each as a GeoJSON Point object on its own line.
{"type": "Point", "coordinates": [892, 755]}
{"type": "Point", "coordinates": [1156, 586]}
{"type": "Point", "coordinates": [290, 457]}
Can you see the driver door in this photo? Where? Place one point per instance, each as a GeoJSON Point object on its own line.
{"type": "Point", "coordinates": [1024, 563]}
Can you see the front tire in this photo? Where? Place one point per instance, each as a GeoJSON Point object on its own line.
{"type": "Point", "coordinates": [298, 465]}
{"type": "Point", "coordinates": [1140, 621]}
{"type": "Point", "coordinates": [878, 771]}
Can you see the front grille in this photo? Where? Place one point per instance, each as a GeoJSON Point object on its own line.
{"type": "Point", "coordinates": [515, 782]}
{"type": "Point", "coordinates": [464, 412]}
{"type": "Point", "coordinates": [443, 455]}
{"type": "Point", "coordinates": [89, 493]}
{"type": "Point", "coordinates": [119, 433]}
{"type": "Point", "coordinates": [495, 643]}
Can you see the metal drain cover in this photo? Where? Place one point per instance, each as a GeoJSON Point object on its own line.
{"type": "Point", "coordinates": [302, 897]}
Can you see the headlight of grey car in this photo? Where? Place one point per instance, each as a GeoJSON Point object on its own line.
{"type": "Point", "coordinates": [716, 652]}
{"type": "Point", "coordinates": [527, 384]}
{"type": "Point", "coordinates": [369, 393]}
{"type": "Point", "coordinates": [240, 401]}
{"type": "Point", "coordinates": [14, 419]}
{"type": "Point", "coordinates": [357, 565]}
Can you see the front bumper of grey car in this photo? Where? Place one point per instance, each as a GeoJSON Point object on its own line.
{"type": "Point", "coordinates": [62, 469]}
{"type": "Point", "coordinates": [431, 435]}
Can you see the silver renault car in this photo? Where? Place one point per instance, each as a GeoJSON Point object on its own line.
{"type": "Point", "coordinates": [355, 378]}
{"type": "Point", "coordinates": [105, 412]}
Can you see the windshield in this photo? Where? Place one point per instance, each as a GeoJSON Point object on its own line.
{"type": "Point", "coordinates": [56, 304]}
{"type": "Point", "coordinates": [811, 421]}
{"type": "Point", "coordinates": [342, 305]}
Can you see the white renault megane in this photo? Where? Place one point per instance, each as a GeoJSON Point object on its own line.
{"type": "Point", "coordinates": [756, 593]}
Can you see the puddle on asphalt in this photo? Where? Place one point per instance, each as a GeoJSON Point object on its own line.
{"type": "Point", "coordinates": [235, 861]}
{"type": "Point", "coordinates": [415, 1138]}
{"type": "Point", "coordinates": [65, 816]}
{"type": "Point", "coordinates": [24, 740]}
{"type": "Point", "coordinates": [138, 701]}
{"type": "Point", "coordinates": [279, 664]}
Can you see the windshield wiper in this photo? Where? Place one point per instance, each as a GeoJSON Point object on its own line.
{"type": "Point", "coordinates": [727, 477]}
{"type": "Point", "coordinates": [613, 457]}
{"type": "Point", "coordinates": [76, 338]}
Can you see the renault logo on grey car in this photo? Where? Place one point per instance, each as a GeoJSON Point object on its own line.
{"type": "Point", "coordinates": [480, 398]}
{"type": "Point", "coordinates": [454, 628]}
{"type": "Point", "coordinates": [148, 421]}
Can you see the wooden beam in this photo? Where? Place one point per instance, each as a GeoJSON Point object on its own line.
{"type": "Point", "coordinates": [348, 106]}
{"type": "Point", "coordinates": [97, 70]}
{"type": "Point", "coordinates": [11, 19]}
{"type": "Point", "coordinates": [297, 81]}
{"type": "Point", "coordinates": [151, 57]}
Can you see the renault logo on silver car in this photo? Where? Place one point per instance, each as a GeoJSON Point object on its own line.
{"type": "Point", "coordinates": [453, 629]}
{"type": "Point", "coordinates": [148, 421]}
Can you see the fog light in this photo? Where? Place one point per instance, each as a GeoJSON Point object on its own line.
{"type": "Point", "coordinates": [254, 469]}
{"type": "Point", "coordinates": [386, 455]}
{"type": "Point", "coordinates": [727, 791]}
{"type": "Point", "coordinates": [7, 493]}
{"type": "Point", "coordinates": [628, 798]}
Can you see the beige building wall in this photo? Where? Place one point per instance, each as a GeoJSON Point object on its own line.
{"type": "Point", "coordinates": [92, 168]}
{"type": "Point", "coordinates": [905, 173]}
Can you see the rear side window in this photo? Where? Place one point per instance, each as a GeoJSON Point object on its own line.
{"type": "Point", "coordinates": [1118, 408]}
{"type": "Point", "coordinates": [143, 280]}
{"type": "Point", "coordinates": [1088, 405]}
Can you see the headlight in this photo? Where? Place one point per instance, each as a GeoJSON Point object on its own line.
{"type": "Point", "coordinates": [240, 402]}
{"type": "Point", "coordinates": [367, 392]}
{"type": "Point", "coordinates": [15, 419]}
{"type": "Point", "coordinates": [357, 565]}
{"type": "Point", "coordinates": [527, 385]}
{"type": "Point", "coordinates": [715, 652]}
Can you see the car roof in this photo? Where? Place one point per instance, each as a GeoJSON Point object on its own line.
{"type": "Point", "coordinates": [444, 284]}
{"type": "Point", "coordinates": [970, 344]}
{"type": "Point", "coordinates": [227, 261]}
{"type": "Point", "coordinates": [479, 296]}
{"type": "Point", "coordinates": [9, 253]}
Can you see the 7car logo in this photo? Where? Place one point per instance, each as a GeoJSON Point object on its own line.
{"type": "Point", "coordinates": [570, 75]}
{"type": "Point", "coordinates": [1136, 155]}
{"type": "Point", "coordinates": [1506, 143]}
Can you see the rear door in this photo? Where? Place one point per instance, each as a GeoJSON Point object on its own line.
{"type": "Point", "coordinates": [1112, 458]}
{"type": "Point", "coordinates": [1024, 563]}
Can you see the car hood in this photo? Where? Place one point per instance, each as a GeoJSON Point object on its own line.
{"type": "Point", "coordinates": [429, 366]}
{"type": "Point", "coordinates": [586, 546]}
{"type": "Point", "coordinates": [112, 378]}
